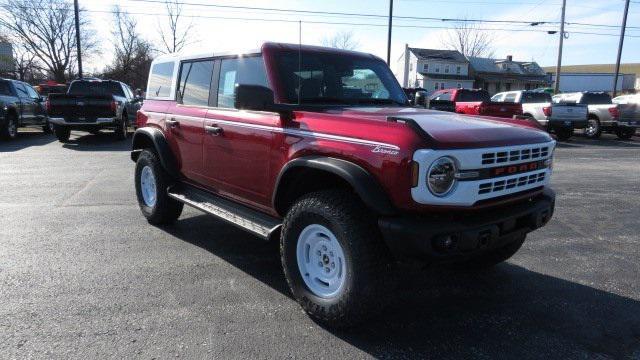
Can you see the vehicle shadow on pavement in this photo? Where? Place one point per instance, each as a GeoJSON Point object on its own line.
{"type": "Point", "coordinates": [25, 140]}
{"type": "Point", "coordinates": [99, 142]}
{"type": "Point", "coordinates": [505, 312]}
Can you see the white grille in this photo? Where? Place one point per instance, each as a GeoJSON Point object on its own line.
{"type": "Point", "coordinates": [517, 182]}
{"type": "Point", "coordinates": [505, 157]}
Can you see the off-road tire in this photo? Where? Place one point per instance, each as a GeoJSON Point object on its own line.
{"type": "Point", "coordinates": [165, 210]}
{"type": "Point", "coordinates": [62, 133]}
{"type": "Point", "coordinates": [493, 257]}
{"type": "Point", "coordinates": [564, 133]}
{"type": "Point", "coordinates": [625, 133]}
{"type": "Point", "coordinates": [121, 131]}
{"type": "Point", "coordinates": [366, 257]}
{"type": "Point", "coordinates": [598, 128]}
{"type": "Point", "coordinates": [9, 130]}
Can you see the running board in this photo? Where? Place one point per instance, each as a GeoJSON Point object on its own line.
{"type": "Point", "coordinates": [260, 224]}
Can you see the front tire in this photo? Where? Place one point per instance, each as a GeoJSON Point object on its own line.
{"type": "Point", "coordinates": [625, 133]}
{"type": "Point", "coordinates": [593, 129]}
{"type": "Point", "coordinates": [333, 257]}
{"type": "Point", "coordinates": [152, 182]}
{"type": "Point", "coordinates": [10, 129]}
{"type": "Point", "coordinates": [62, 133]}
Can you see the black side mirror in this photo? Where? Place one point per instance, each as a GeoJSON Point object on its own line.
{"type": "Point", "coordinates": [254, 97]}
{"type": "Point", "coordinates": [420, 98]}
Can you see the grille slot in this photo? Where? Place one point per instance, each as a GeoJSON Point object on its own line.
{"type": "Point", "coordinates": [500, 185]}
{"type": "Point", "coordinates": [502, 157]}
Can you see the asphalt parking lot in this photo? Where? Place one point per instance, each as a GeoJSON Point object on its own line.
{"type": "Point", "coordinates": [82, 275]}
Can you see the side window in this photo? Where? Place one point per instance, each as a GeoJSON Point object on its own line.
{"type": "Point", "coordinates": [127, 91]}
{"type": "Point", "coordinates": [160, 79]}
{"type": "Point", "coordinates": [22, 91]}
{"type": "Point", "coordinates": [510, 98]}
{"type": "Point", "coordinates": [195, 82]}
{"type": "Point", "coordinates": [239, 71]}
{"type": "Point", "coordinates": [32, 93]}
{"type": "Point", "coordinates": [497, 97]}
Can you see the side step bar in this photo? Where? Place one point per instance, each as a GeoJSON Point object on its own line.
{"type": "Point", "coordinates": [260, 224]}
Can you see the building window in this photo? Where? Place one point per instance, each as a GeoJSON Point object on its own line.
{"type": "Point", "coordinates": [436, 87]}
{"type": "Point", "coordinates": [446, 69]}
{"type": "Point", "coordinates": [425, 68]}
{"type": "Point", "coordinates": [437, 68]}
{"type": "Point", "coordinates": [458, 69]}
{"type": "Point", "coordinates": [459, 86]}
{"type": "Point", "coordinates": [508, 86]}
{"type": "Point", "coordinates": [441, 86]}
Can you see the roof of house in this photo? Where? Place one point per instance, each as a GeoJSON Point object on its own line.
{"type": "Point", "coordinates": [515, 68]}
{"type": "Point", "coordinates": [446, 76]}
{"type": "Point", "coordinates": [450, 55]}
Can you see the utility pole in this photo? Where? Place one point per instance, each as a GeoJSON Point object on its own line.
{"type": "Point", "coordinates": [75, 8]}
{"type": "Point", "coordinates": [389, 35]}
{"type": "Point", "coordinates": [624, 26]}
{"type": "Point", "coordinates": [557, 85]}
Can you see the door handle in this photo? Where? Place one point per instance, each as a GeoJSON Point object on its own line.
{"type": "Point", "coordinates": [213, 130]}
{"type": "Point", "coordinates": [173, 123]}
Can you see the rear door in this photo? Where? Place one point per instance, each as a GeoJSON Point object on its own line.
{"type": "Point", "coordinates": [39, 112]}
{"type": "Point", "coordinates": [27, 104]}
{"type": "Point", "coordinates": [184, 122]}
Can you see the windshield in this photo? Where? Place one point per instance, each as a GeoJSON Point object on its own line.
{"type": "Point", "coordinates": [535, 97]}
{"type": "Point", "coordinates": [337, 79]}
{"type": "Point", "coordinates": [96, 88]}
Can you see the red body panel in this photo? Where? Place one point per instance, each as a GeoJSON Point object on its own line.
{"type": "Point", "coordinates": [483, 108]}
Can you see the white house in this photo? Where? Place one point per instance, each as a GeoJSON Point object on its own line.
{"type": "Point", "coordinates": [433, 69]}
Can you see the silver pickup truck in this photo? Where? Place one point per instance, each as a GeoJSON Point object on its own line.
{"type": "Point", "coordinates": [629, 107]}
{"type": "Point", "coordinates": [603, 113]}
{"type": "Point", "coordinates": [558, 118]}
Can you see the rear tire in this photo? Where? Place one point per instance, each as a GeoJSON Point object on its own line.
{"type": "Point", "coordinates": [152, 182]}
{"type": "Point", "coordinates": [593, 129]}
{"type": "Point", "coordinates": [48, 128]}
{"type": "Point", "coordinates": [563, 133]}
{"type": "Point", "coordinates": [62, 133]}
{"type": "Point", "coordinates": [625, 133]}
{"type": "Point", "coordinates": [9, 130]}
{"type": "Point", "coordinates": [333, 257]}
{"type": "Point", "coordinates": [122, 128]}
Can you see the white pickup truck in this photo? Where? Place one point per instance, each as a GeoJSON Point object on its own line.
{"type": "Point", "coordinates": [603, 113]}
{"type": "Point", "coordinates": [559, 118]}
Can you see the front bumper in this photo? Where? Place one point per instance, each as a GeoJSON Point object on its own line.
{"type": "Point", "coordinates": [92, 122]}
{"type": "Point", "coordinates": [465, 235]}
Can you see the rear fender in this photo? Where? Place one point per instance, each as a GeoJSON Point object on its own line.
{"type": "Point", "coordinates": [152, 138]}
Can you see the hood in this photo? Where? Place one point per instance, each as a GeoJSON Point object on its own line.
{"type": "Point", "coordinates": [451, 130]}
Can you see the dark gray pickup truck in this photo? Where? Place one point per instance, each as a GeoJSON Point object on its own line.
{"type": "Point", "coordinates": [20, 105]}
{"type": "Point", "coordinates": [92, 105]}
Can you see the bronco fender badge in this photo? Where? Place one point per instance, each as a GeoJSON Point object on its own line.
{"type": "Point", "coordinates": [383, 150]}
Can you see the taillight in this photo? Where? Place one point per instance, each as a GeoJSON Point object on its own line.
{"type": "Point", "coordinates": [114, 106]}
{"type": "Point", "coordinates": [479, 109]}
{"type": "Point", "coordinates": [547, 110]}
{"type": "Point", "coordinates": [615, 113]}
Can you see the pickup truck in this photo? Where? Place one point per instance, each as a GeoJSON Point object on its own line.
{"type": "Point", "coordinates": [603, 113]}
{"type": "Point", "coordinates": [318, 149]}
{"type": "Point", "coordinates": [629, 106]}
{"type": "Point", "coordinates": [560, 118]}
{"type": "Point", "coordinates": [20, 106]}
{"type": "Point", "coordinates": [476, 102]}
{"type": "Point", "coordinates": [92, 105]}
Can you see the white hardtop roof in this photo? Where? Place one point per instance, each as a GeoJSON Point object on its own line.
{"type": "Point", "coordinates": [193, 55]}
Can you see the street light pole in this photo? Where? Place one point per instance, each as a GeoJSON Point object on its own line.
{"type": "Point", "coordinates": [624, 26]}
{"type": "Point", "coordinates": [77, 15]}
{"type": "Point", "coordinates": [389, 34]}
{"type": "Point", "coordinates": [557, 84]}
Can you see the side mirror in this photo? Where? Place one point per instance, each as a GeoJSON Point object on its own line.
{"type": "Point", "coordinates": [420, 98]}
{"type": "Point", "coordinates": [254, 97]}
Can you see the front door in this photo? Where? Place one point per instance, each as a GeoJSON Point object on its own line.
{"type": "Point", "coordinates": [184, 122]}
{"type": "Point", "coordinates": [27, 105]}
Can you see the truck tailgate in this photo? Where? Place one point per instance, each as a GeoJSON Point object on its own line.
{"type": "Point", "coordinates": [629, 114]}
{"type": "Point", "coordinates": [501, 109]}
{"type": "Point", "coordinates": [569, 112]}
{"type": "Point", "coordinates": [81, 108]}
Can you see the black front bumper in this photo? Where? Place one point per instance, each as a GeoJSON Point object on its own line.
{"type": "Point", "coordinates": [463, 236]}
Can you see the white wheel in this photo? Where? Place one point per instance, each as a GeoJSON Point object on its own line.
{"type": "Point", "coordinates": [148, 186]}
{"type": "Point", "coordinates": [321, 261]}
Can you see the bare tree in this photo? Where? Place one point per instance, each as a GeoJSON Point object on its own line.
{"type": "Point", "coordinates": [45, 28]}
{"type": "Point", "coordinates": [174, 39]}
{"type": "Point", "coordinates": [469, 40]}
{"type": "Point", "coordinates": [341, 40]}
{"type": "Point", "coordinates": [133, 54]}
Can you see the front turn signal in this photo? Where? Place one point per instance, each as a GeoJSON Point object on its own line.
{"type": "Point", "coordinates": [415, 172]}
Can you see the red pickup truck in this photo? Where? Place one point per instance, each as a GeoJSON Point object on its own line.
{"type": "Point", "coordinates": [318, 149]}
{"type": "Point", "coordinates": [477, 102]}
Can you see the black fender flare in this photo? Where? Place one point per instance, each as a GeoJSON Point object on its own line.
{"type": "Point", "coordinates": [364, 184]}
{"type": "Point", "coordinates": [149, 136]}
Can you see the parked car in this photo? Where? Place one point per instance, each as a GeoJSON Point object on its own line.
{"type": "Point", "coordinates": [476, 102]}
{"type": "Point", "coordinates": [603, 113]}
{"type": "Point", "coordinates": [92, 105]}
{"type": "Point", "coordinates": [629, 106]}
{"type": "Point", "coordinates": [289, 144]}
{"type": "Point", "coordinates": [560, 118]}
{"type": "Point", "coordinates": [20, 105]}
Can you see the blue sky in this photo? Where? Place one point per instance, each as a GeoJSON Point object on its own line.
{"type": "Point", "coordinates": [210, 33]}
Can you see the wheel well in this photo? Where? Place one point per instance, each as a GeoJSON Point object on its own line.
{"type": "Point", "coordinates": [593, 117]}
{"type": "Point", "coordinates": [301, 181]}
{"type": "Point", "coordinates": [143, 142]}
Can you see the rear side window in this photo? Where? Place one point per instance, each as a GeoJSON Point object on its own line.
{"type": "Point", "coordinates": [596, 99]}
{"type": "Point", "coordinates": [22, 91]}
{"type": "Point", "coordinates": [442, 96]}
{"type": "Point", "coordinates": [243, 71]}
{"type": "Point", "coordinates": [510, 98]}
{"type": "Point", "coordinates": [160, 79]}
{"type": "Point", "coordinates": [5, 88]}
{"type": "Point", "coordinates": [532, 98]}
{"type": "Point", "coordinates": [472, 96]}
{"type": "Point", "coordinates": [195, 82]}
{"type": "Point", "coordinates": [105, 88]}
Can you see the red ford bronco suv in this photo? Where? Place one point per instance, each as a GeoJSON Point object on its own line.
{"type": "Point", "coordinates": [318, 149]}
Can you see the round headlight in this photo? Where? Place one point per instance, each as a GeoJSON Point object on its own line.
{"type": "Point", "coordinates": [441, 176]}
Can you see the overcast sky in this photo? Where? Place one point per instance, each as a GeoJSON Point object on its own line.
{"type": "Point", "coordinates": [212, 32]}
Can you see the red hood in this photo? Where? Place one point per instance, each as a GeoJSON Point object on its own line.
{"type": "Point", "coordinates": [450, 130]}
